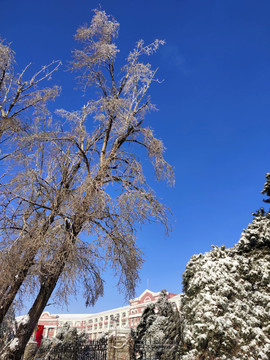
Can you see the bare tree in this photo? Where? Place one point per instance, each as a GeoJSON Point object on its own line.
{"type": "Point", "coordinates": [20, 100]}
{"type": "Point", "coordinates": [84, 178]}
{"type": "Point", "coordinates": [20, 97]}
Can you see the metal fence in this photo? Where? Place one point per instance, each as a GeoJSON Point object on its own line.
{"type": "Point", "coordinates": [155, 351]}
{"type": "Point", "coordinates": [112, 350]}
{"type": "Point", "coordinates": [92, 350]}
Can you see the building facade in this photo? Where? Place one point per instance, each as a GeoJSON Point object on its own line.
{"type": "Point", "coordinates": [96, 325]}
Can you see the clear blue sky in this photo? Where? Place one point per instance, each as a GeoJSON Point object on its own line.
{"type": "Point", "coordinates": [214, 112]}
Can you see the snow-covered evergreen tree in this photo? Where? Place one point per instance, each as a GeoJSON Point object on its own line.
{"type": "Point", "coordinates": [147, 319]}
{"type": "Point", "coordinates": [156, 331]}
{"type": "Point", "coordinates": [226, 303]}
{"type": "Point", "coordinates": [160, 325]}
{"type": "Point", "coordinates": [172, 338]}
{"type": "Point", "coordinates": [139, 335]}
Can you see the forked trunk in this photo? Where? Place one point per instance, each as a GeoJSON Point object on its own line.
{"type": "Point", "coordinates": [8, 293]}
{"type": "Point", "coordinates": [15, 349]}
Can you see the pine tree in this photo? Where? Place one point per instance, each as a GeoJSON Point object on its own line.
{"type": "Point", "coordinates": [226, 302]}
{"type": "Point", "coordinates": [147, 319]}
{"type": "Point", "coordinates": [170, 327]}
{"type": "Point", "coordinates": [159, 329]}
{"type": "Point", "coordinates": [172, 338]}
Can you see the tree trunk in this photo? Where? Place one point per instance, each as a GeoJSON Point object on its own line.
{"type": "Point", "coordinates": [15, 349]}
{"type": "Point", "coordinates": [8, 294]}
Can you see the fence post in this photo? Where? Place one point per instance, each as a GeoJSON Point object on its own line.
{"type": "Point", "coordinates": [119, 348]}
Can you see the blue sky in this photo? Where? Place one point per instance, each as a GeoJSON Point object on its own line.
{"type": "Point", "coordinates": [214, 111]}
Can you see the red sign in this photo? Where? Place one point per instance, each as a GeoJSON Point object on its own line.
{"type": "Point", "coordinates": [38, 336]}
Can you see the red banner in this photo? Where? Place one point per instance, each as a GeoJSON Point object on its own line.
{"type": "Point", "coordinates": [38, 336]}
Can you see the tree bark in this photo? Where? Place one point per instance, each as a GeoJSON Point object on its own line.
{"type": "Point", "coordinates": [48, 284]}
{"type": "Point", "coordinates": [25, 330]}
{"type": "Point", "coordinates": [8, 295]}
